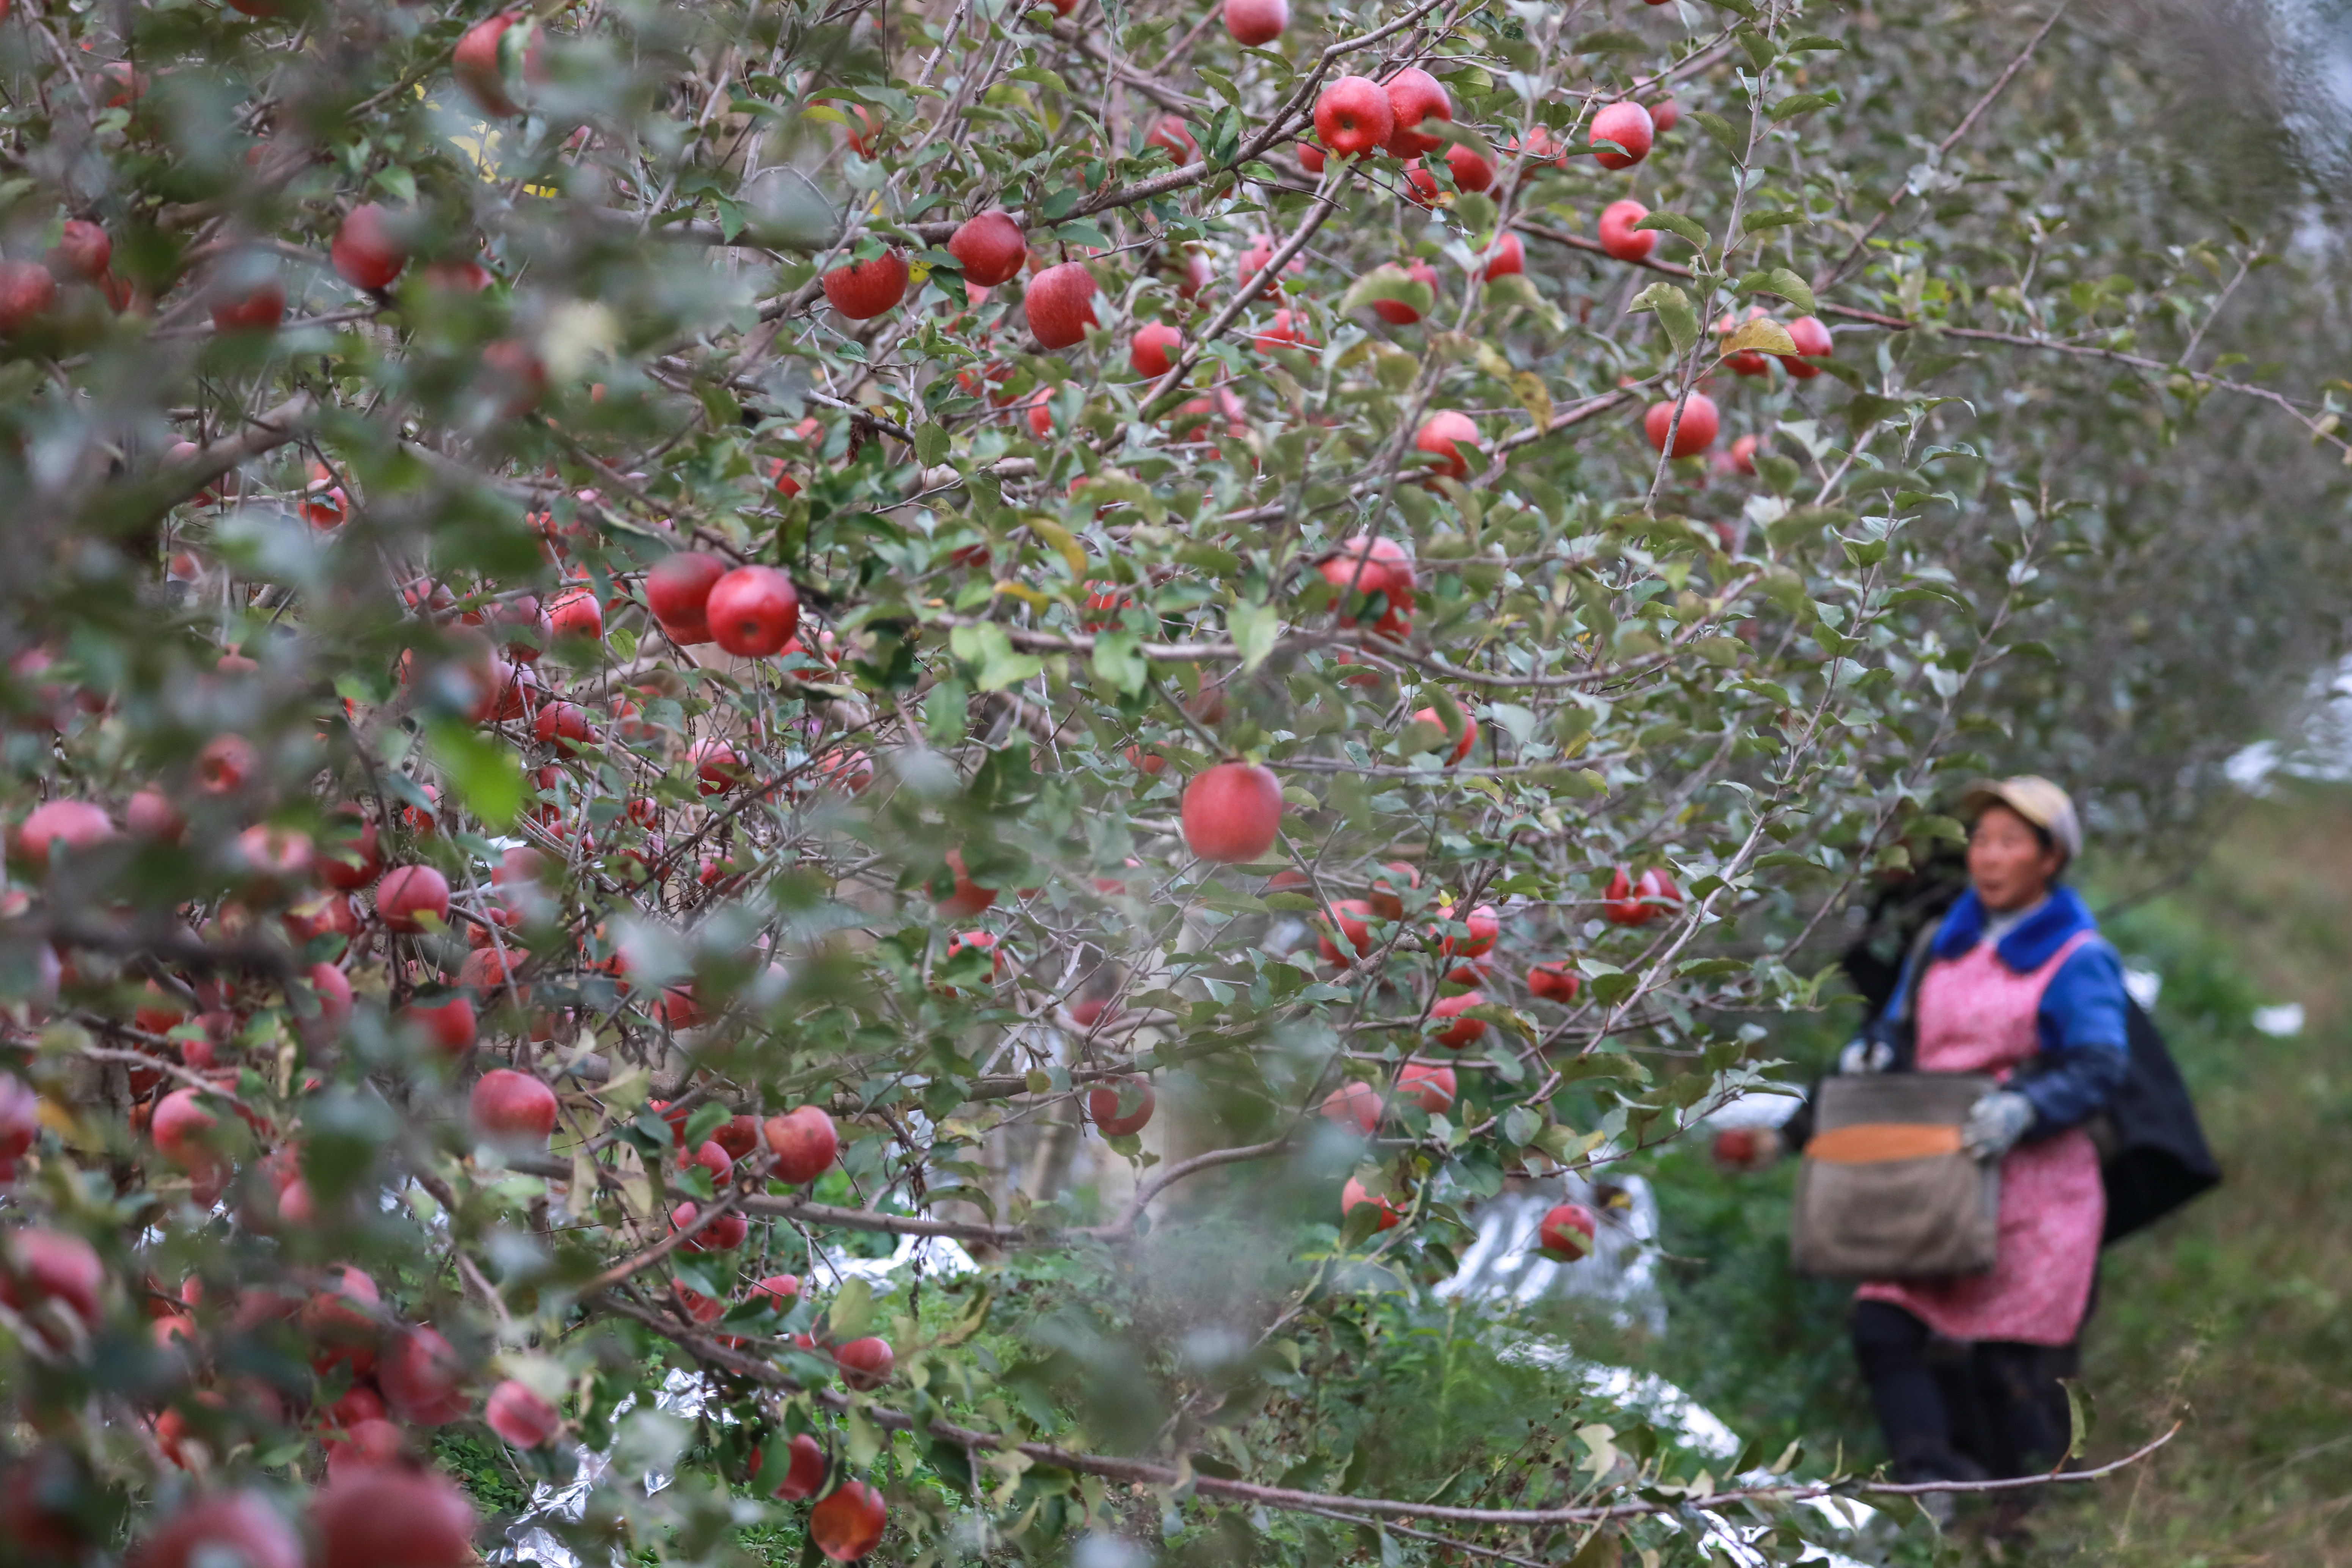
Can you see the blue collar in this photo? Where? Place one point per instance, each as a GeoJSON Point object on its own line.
{"type": "Point", "coordinates": [2029, 943]}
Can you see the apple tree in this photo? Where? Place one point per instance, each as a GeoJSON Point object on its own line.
{"type": "Point", "coordinates": [654, 649]}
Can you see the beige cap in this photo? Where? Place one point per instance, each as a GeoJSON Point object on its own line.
{"type": "Point", "coordinates": [2034, 798]}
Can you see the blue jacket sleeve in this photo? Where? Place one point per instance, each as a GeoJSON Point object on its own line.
{"type": "Point", "coordinates": [2084, 1053]}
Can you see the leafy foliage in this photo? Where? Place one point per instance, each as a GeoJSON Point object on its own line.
{"type": "Point", "coordinates": [353, 496]}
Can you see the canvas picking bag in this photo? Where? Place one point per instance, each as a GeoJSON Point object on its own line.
{"type": "Point", "coordinates": [1884, 1191]}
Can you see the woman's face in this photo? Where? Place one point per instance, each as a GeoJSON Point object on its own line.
{"type": "Point", "coordinates": [2007, 862]}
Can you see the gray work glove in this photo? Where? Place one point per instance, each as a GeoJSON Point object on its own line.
{"type": "Point", "coordinates": [1860, 1056]}
{"type": "Point", "coordinates": [1995, 1123]}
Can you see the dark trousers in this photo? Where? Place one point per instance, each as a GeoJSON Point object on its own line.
{"type": "Point", "coordinates": [1948, 1406]}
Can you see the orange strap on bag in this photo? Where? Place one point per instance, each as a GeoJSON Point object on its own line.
{"type": "Point", "coordinates": [1875, 1143]}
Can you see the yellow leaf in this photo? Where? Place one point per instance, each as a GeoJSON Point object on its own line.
{"type": "Point", "coordinates": [1026, 594]}
{"type": "Point", "coordinates": [1761, 334]}
{"type": "Point", "coordinates": [1062, 539]}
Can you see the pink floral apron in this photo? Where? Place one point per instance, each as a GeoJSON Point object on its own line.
{"type": "Point", "coordinates": [1976, 1014]}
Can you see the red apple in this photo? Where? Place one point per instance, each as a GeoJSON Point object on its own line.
{"type": "Point", "coordinates": [226, 763]}
{"type": "Point", "coordinates": [1258, 258]}
{"type": "Point", "coordinates": [804, 1143]}
{"type": "Point", "coordinates": [366, 253]}
{"type": "Point", "coordinates": [725, 1232]}
{"type": "Point", "coordinates": [1415, 97]}
{"type": "Point", "coordinates": [1740, 460]}
{"type": "Point", "coordinates": [82, 253]}
{"type": "Point", "coordinates": [1257, 22]}
{"type": "Point", "coordinates": [1353, 1194]}
{"type": "Point", "coordinates": [352, 857]}
{"type": "Point", "coordinates": [422, 1378]}
{"type": "Point", "coordinates": [716, 766]}
{"type": "Point", "coordinates": [520, 1416]}
{"type": "Point", "coordinates": [1355, 1104]}
{"type": "Point", "coordinates": [1694, 435]}
{"type": "Point", "coordinates": [1170, 134]}
{"type": "Point", "coordinates": [256, 307]}
{"type": "Point", "coordinates": [804, 1473]}
{"type": "Point", "coordinates": [1396, 313]}
{"type": "Point", "coordinates": [1387, 900]}
{"type": "Point", "coordinates": [1737, 1148]}
{"type": "Point", "coordinates": [340, 1321]}
{"type": "Point", "coordinates": [1567, 1231]}
{"type": "Point", "coordinates": [752, 611]}
{"type": "Point", "coordinates": [1618, 236]}
{"type": "Point", "coordinates": [507, 1106]}
{"type": "Point", "coordinates": [1506, 257]}
{"type": "Point", "coordinates": [847, 1524]}
{"type": "Point", "coordinates": [182, 1128]}
{"type": "Point", "coordinates": [1431, 1087]}
{"type": "Point", "coordinates": [956, 896]}
{"type": "Point", "coordinates": [387, 1516]}
{"type": "Point", "coordinates": [1233, 812]}
{"type": "Point", "coordinates": [990, 246]}
{"type": "Point", "coordinates": [1471, 171]}
{"type": "Point", "coordinates": [1810, 338]}
{"type": "Point", "coordinates": [1060, 304]}
{"type": "Point", "coordinates": [865, 1363]}
{"type": "Point", "coordinates": [1554, 982]}
{"type": "Point", "coordinates": [1102, 1104]}
{"type": "Point", "coordinates": [1461, 1031]}
{"type": "Point", "coordinates": [332, 990]}
{"type": "Point", "coordinates": [1438, 436]}
{"type": "Point", "coordinates": [487, 60]}
{"type": "Point", "coordinates": [1486, 927]}
{"type": "Point", "coordinates": [448, 1024]}
{"type": "Point", "coordinates": [863, 289]}
{"type": "Point", "coordinates": [152, 815]}
{"type": "Point", "coordinates": [1365, 566]}
{"type": "Point", "coordinates": [564, 722]}
{"type": "Point", "coordinates": [1664, 115]}
{"type": "Point", "coordinates": [237, 1527]}
{"type": "Point", "coordinates": [1311, 157]}
{"type": "Point", "coordinates": [20, 1118]}
{"type": "Point", "coordinates": [41, 1266]}
{"type": "Point", "coordinates": [678, 591]}
{"type": "Point", "coordinates": [577, 615]}
{"type": "Point", "coordinates": [1430, 716]}
{"type": "Point", "coordinates": [407, 895]}
{"type": "Point", "coordinates": [1288, 331]}
{"type": "Point", "coordinates": [1351, 920]}
{"type": "Point", "coordinates": [1628, 125]}
{"type": "Point", "coordinates": [1353, 116]}
{"type": "Point", "coordinates": [714, 1160]}
{"type": "Point", "coordinates": [1154, 348]}
{"type": "Point", "coordinates": [76, 823]}
{"type": "Point", "coordinates": [27, 291]}
{"type": "Point", "coordinates": [362, 1444]}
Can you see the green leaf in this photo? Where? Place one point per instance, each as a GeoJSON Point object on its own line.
{"type": "Point", "coordinates": [1867, 409]}
{"type": "Point", "coordinates": [2081, 1416]}
{"type": "Point", "coordinates": [1611, 41]}
{"type": "Point", "coordinates": [1672, 309]}
{"type": "Point", "coordinates": [1254, 627]}
{"type": "Point", "coordinates": [852, 1311]}
{"type": "Point", "coordinates": [1680, 227]}
{"type": "Point", "coordinates": [1719, 131]}
{"type": "Point", "coordinates": [1801, 103]}
{"type": "Point", "coordinates": [1779, 280]}
{"type": "Point", "coordinates": [1780, 218]}
{"type": "Point", "coordinates": [930, 445]}
{"type": "Point", "coordinates": [1118, 661]}
{"type": "Point", "coordinates": [486, 773]}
